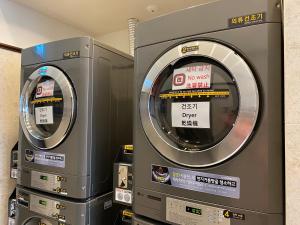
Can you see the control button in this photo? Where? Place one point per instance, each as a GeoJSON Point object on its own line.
{"type": "Point", "coordinates": [58, 206]}
{"type": "Point", "coordinates": [61, 217]}
{"type": "Point", "coordinates": [60, 178]}
{"type": "Point", "coordinates": [58, 189]}
{"type": "Point", "coordinates": [55, 215]}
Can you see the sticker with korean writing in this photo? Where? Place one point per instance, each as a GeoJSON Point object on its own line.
{"type": "Point", "coordinates": [44, 115]}
{"type": "Point", "coordinates": [192, 77]}
{"type": "Point", "coordinates": [191, 114]}
{"type": "Point", "coordinates": [45, 89]}
{"type": "Point", "coordinates": [251, 19]}
{"type": "Point", "coordinates": [233, 215]}
{"type": "Point", "coordinates": [209, 183]}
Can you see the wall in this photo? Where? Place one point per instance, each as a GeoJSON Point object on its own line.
{"type": "Point", "coordinates": [292, 110]}
{"type": "Point", "coordinates": [118, 40]}
{"type": "Point", "coordinates": [10, 63]}
{"type": "Point", "coordinates": [23, 27]}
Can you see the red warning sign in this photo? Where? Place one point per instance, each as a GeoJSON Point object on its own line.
{"type": "Point", "coordinates": [192, 77]}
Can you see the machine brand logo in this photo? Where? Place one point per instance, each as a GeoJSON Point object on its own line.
{"type": "Point", "coordinates": [29, 155]}
{"type": "Point", "coordinates": [187, 49]}
{"type": "Point", "coordinates": [71, 54]}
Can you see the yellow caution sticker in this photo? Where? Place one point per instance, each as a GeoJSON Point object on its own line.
{"type": "Point", "coordinates": [196, 94]}
{"type": "Point", "coordinates": [46, 100]}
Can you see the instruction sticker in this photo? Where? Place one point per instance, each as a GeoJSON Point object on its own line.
{"type": "Point", "coordinates": [45, 89]}
{"type": "Point", "coordinates": [49, 159]}
{"type": "Point", "coordinates": [192, 77]}
{"type": "Point", "coordinates": [209, 183]}
{"type": "Point", "coordinates": [123, 195]}
{"type": "Point", "coordinates": [191, 114]}
{"type": "Point", "coordinates": [44, 115]}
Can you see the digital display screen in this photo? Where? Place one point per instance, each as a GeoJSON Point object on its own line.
{"type": "Point", "coordinates": [42, 202]}
{"type": "Point", "coordinates": [193, 210]}
{"type": "Point", "coordinates": [42, 177]}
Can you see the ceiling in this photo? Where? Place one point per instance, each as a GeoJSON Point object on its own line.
{"type": "Point", "coordinates": [97, 17]}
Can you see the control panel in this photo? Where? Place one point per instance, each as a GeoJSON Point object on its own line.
{"type": "Point", "coordinates": [47, 207]}
{"type": "Point", "coordinates": [48, 182]}
{"type": "Point", "coordinates": [184, 212]}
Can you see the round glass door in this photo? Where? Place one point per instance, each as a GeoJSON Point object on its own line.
{"type": "Point", "coordinates": [37, 221]}
{"type": "Point", "coordinates": [199, 107]}
{"type": "Point", "coordinates": [47, 107]}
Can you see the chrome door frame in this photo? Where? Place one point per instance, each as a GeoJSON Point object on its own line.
{"type": "Point", "coordinates": [28, 121]}
{"type": "Point", "coordinates": [247, 114]}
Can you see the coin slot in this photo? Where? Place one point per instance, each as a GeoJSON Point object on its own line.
{"type": "Point", "coordinates": [154, 198]}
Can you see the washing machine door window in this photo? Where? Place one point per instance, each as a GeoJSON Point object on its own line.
{"type": "Point", "coordinates": [37, 221]}
{"type": "Point", "coordinates": [199, 104]}
{"type": "Point", "coordinates": [47, 107]}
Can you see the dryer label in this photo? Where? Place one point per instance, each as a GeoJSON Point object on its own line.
{"type": "Point", "coordinates": [209, 183]}
{"type": "Point", "coordinates": [191, 114]}
{"type": "Point", "coordinates": [251, 19]}
{"type": "Point", "coordinates": [44, 115]}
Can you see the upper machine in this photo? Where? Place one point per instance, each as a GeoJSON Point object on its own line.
{"type": "Point", "coordinates": [71, 95]}
{"type": "Point", "coordinates": [208, 123]}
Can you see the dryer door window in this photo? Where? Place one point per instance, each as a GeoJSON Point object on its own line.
{"type": "Point", "coordinates": [199, 109]}
{"type": "Point", "coordinates": [195, 103]}
{"type": "Point", "coordinates": [47, 107]}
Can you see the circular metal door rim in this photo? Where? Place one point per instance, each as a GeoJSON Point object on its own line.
{"type": "Point", "coordinates": [245, 121]}
{"type": "Point", "coordinates": [27, 121]}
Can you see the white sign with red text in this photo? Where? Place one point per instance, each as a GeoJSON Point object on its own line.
{"type": "Point", "coordinates": [192, 77]}
{"type": "Point", "coordinates": [45, 89]}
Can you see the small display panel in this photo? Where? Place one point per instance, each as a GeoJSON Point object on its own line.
{"type": "Point", "coordinates": [42, 202]}
{"type": "Point", "coordinates": [193, 210]}
{"type": "Point", "coordinates": [42, 177]}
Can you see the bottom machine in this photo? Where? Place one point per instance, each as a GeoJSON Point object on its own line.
{"type": "Point", "coordinates": [34, 208]}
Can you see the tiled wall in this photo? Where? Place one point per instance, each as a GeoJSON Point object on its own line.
{"type": "Point", "coordinates": [292, 109]}
{"type": "Point", "coordinates": [9, 94]}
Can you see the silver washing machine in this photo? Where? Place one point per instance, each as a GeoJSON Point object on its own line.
{"type": "Point", "coordinates": [75, 103]}
{"type": "Point", "coordinates": [34, 208]}
{"type": "Point", "coordinates": [208, 117]}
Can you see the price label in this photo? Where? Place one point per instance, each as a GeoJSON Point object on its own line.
{"type": "Point", "coordinates": [45, 89]}
{"type": "Point", "coordinates": [44, 115]}
{"type": "Point", "coordinates": [192, 77]}
{"type": "Point", "coordinates": [191, 114]}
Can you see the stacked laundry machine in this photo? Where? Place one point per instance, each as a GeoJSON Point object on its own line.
{"type": "Point", "coordinates": [208, 116]}
{"type": "Point", "coordinates": [76, 101]}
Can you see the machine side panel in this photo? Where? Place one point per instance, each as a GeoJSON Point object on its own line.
{"type": "Point", "coordinates": [112, 91]}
